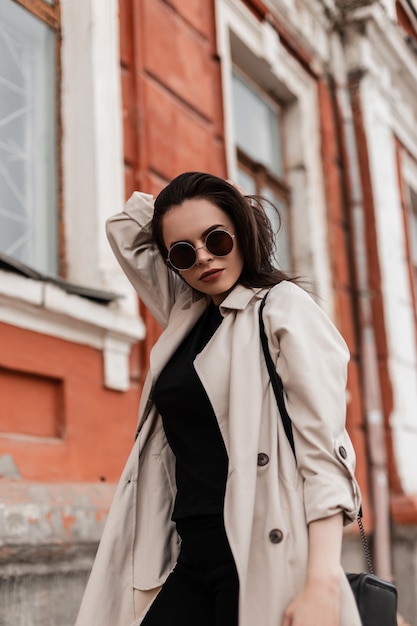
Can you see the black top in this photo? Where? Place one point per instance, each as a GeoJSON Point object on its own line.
{"type": "Point", "coordinates": [191, 426]}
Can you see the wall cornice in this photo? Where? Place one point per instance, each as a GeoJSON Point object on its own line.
{"type": "Point", "coordinates": [373, 41]}
{"type": "Point", "coordinates": [45, 308]}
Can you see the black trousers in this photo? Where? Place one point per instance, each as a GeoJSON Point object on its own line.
{"type": "Point", "coordinates": [203, 588]}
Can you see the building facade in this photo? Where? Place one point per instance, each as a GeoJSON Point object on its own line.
{"type": "Point", "coordinates": [312, 103]}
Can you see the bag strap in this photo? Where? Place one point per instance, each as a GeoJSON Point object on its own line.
{"type": "Point", "coordinates": [276, 381]}
{"type": "Point", "coordinates": [278, 388]}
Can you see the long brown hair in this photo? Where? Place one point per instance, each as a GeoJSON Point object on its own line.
{"type": "Point", "coordinates": [253, 229]}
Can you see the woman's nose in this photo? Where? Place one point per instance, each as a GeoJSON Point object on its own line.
{"type": "Point", "coordinates": [202, 255]}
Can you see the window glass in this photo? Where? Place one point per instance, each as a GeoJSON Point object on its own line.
{"type": "Point", "coordinates": [256, 126]}
{"type": "Point", "coordinates": [246, 182]}
{"type": "Point", "coordinates": [28, 222]}
{"type": "Point", "coordinates": [278, 216]}
{"type": "Point", "coordinates": [413, 225]}
{"type": "Point", "coordinates": [279, 219]}
{"type": "Point", "coordinates": [259, 155]}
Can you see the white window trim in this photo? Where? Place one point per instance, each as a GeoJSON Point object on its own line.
{"type": "Point", "coordinates": [307, 19]}
{"type": "Point", "coordinates": [388, 100]}
{"type": "Point", "coordinates": [93, 189]}
{"type": "Point", "coordinates": [92, 140]}
{"type": "Point", "coordinates": [308, 205]}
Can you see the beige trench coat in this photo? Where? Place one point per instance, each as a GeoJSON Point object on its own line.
{"type": "Point", "coordinates": [139, 546]}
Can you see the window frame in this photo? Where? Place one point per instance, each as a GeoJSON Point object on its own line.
{"type": "Point", "coordinates": [407, 179]}
{"type": "Point", "coordinates": [412, 217]}
{"type": "Point", "coordinates": [48, 13]}
{"type": "Point", "coordinates": [260, 173]}
{"type": "Point", "coordinates": [263, 177]}
{"type": "Point", "coordinates": [59, 308]}
{"type": "Point", "coordinates": [410, 214]}
{"type": "Point", "coordinates": [256, 47]}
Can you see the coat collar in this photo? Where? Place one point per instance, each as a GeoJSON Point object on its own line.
{"type": "Point", "coordinates": [188, 309]}
{"type": "Point", "coordinates": [239, 298]}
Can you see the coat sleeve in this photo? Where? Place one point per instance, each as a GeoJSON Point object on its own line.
{"type": "Point", "coordinates": [129, 234]}
{"type": "Point", "coordinates": [311, 359]}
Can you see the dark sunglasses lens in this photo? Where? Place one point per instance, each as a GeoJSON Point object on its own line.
{"type": "Point", "coordinates": [219, 243]}
{"type": "Point", "coordinates": [182, 256]}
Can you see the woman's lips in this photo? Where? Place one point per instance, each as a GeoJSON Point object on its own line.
{"type": "Point", "coordinates": [211, 275]}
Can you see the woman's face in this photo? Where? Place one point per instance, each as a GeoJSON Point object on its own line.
{"type": "Point", "coordinates": [191, 222]}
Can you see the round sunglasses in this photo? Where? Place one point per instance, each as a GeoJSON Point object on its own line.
{"type": "Point", "coordinates": [183, 255]}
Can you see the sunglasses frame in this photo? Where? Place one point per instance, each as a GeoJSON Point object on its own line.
{"type": "Point", "coordinates": [187, 243]}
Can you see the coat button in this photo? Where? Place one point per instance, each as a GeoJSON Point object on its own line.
{"type": "Point", "coordinates": [342, 452]}
{"type": "Point", "coordinates": [263, 459]}
{"type": "Point", "coordinates": [276, 535]}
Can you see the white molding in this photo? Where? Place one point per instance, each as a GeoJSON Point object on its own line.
{"type": "Point", "coordinates": [47, 309]}
{"type": "Point", "coordinates": [399, 315]}
{"type": "Point", "coordinates": [306, 20]}
{"type": "Point", "coordinates": [93, 169]}
{"type": "Point", "coordinates": [380, 49]}
{"type": "Point", "coordinates": [376, 50]}
{"type": "Point", "coordinates": [256, 45]}
{"type": "Point", "coordinates": [389, 6]}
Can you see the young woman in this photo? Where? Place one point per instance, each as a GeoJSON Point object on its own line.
{"type": "Point", "coordinates": [214, 522]}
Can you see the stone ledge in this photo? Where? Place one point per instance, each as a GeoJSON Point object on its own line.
{"type": "Point", "coordinates": [51, 521]}
{"type": "Point", "coordinates": [38, 599]}
{"type": "Point", "coordinates": [26, 560]}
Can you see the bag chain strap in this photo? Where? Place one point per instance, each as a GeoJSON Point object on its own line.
{"type": "Point", "coordinates": [365, 543]}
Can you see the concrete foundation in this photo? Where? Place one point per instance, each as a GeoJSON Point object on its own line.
{"type": "Point", "coordinates": [42, 595]}
{"type": "Point", "coordinates": [49, 535]}
{"type": "Point", "coordinates": [405, 571]}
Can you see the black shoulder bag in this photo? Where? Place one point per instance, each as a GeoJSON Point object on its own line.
{"type": "Point", "coordinates": [376, 598]}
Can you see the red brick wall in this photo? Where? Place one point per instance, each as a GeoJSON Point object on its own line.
{"type": "Point", "coordinates": [172, 101]}
{"type": "Point", "coordinates": [57, 419]}
{"type": "Point", "coordinates": [337, 190]}
{"type": "Point", "coordinates": [171, 91]}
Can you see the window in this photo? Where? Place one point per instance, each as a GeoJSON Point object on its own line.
{"type": "Point", "coordinates": [28, 132]}
{"type": "Point", "coordinates": [411, 203]}
{"type": "Point", "coordinates": [260, 156]}
{"type": "Point", "coordinates": [407, 178]}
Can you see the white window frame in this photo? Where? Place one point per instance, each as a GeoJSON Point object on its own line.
{"type": "Point", "coordinates": [93, 189]}
{"type": "Point", "coordinates": [409, 175]}
{"type": "Point", "coordinates": [264, 175]}
{"type": "Point", "coordinates": [255, 47]}
{"type": "Point", "coordinates": [389, 112]}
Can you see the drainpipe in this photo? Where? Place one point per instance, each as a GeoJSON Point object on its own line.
{"type": "Point", "coordinates": [374, 419]}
